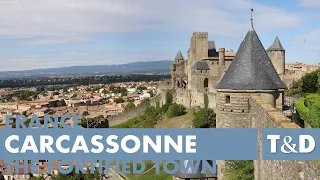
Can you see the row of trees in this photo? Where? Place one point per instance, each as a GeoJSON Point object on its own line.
{"type": "Point", "coordinates": [37, 82]}
{"type": "Point", "coordinates": [25, 95]}
{"type": "Point", "coordinates": [309, 83]}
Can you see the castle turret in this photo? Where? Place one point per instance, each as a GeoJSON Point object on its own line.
{"type": "Point", "coordinates": [250, 73]}
{"type": "Point", "coordinates": [178, 70]}
{"type": "Point", "coordinates": [179, 57]}
{"type": "Point", "coordinates": [277, 55]}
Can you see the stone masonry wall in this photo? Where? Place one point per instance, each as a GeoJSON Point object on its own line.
{"type": "Point", "coordinates": [278, 60]}
{"type": "Point", "coordinates": [233, 114]}
{"type": "Point", "coordinates": [266, 116]}
{"type": "Point", "coordinates": [194, 98]}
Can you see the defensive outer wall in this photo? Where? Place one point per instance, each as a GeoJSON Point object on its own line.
{"type": "Point", "coordinates": [263, 115]}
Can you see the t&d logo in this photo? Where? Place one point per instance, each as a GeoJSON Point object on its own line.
{"type": "Point", "coordinates": [306, 144]}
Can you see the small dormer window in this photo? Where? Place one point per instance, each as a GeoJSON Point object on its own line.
{"type": "Point", "coordinates": [227, 99]}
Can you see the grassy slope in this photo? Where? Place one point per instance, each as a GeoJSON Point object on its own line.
{"type": "Point", "coordinates": [183, 121]}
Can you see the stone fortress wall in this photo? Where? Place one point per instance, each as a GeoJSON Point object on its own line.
{"type": "Point", "coordinates": [263, 115]}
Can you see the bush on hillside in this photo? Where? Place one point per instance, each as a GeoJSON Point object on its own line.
{"type": "Point", "coordinates": [164, 108]}
{"type": "Point", "coordinates": [118, 100]}
{"type": "Point", "coordinates": [206, 100]}
{"type": "Point", "coordinates": [169, 98]}
{"type": "Point", "coordinates": [130, 105]}
{"type": "Point", "coordinates": [175, 110]}
{"type": "Point", "coordinates": [243, 170]}
{"type": "Point", "coordinates": [204, 118]}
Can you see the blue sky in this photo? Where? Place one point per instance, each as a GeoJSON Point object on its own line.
{"type": "Point", "coordinates": [57, 33]}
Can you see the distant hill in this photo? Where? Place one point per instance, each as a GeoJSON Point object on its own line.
{"type": "Point", "coordinates": [135, 67]}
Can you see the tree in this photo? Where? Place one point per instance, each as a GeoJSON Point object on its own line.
{"type": "Point", "coordinates": [205, 118]}
{"type": "Point", "coordinates": [118, 100]}
{"type": "Point", "coordinates": [206, 100]}
{"type": "Point", "coordinates": [124, 94]}
{"type": "Point", "coordinates": [85, 113]}
{"type": "Point", "coordinates": [105, 91]}
{"type": "Point", "coordinates": [130, 105]}
{"type": "Point", "coordinates": [169, 98]}
{"type": "Point", "coordinates": [175, 110]}
{"type": "Point", "coordinates": [141, 88]}
{"type": "Point", "coordinates": [146, 101]}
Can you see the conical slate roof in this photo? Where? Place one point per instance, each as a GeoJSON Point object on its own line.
{"type": "Point", "coordinates": [179, 56]}
{"type": "Point", "coordinates": [251, 68]}
{"type": "Point", "coordinates": [276, 46]}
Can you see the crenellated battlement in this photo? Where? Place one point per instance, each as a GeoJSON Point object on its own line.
{"type": "Point", "coordinates": [200, 34]}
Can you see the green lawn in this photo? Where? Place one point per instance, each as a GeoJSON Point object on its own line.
{"type": "Point", "coordinates": [184, 121]}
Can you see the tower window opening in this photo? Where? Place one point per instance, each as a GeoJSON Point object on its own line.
{"type": "Point", "coordinates": [205, 83]}
{"type": "Point", "coordinates": [228, 99]}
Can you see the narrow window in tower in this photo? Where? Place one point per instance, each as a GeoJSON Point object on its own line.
{"type": "Point", "coordinates": [227, 99]}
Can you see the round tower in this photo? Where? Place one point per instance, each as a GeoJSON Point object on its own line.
{"type": "Point", "coordinates": [277, 55]}
{"type": "Point", "coordinates": [250, 73]}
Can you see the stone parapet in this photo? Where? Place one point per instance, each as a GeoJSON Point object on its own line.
{"type": "Point", "coordinates": [272, 113]}
{"type": "Point", "coordinates": [264, 115]}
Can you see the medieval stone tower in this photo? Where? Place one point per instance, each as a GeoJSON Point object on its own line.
{"type": "Point", "coordinates": [277, 55]}
{"type": "Point", "coordinates": [251, 72]}
{"type": "Point", "coordinates": [198, 50]}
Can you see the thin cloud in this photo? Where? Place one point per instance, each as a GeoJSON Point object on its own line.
{"type": "Point", "coordinates": [74, 18]}
{"type": "Point", "coordinates": [39, 23]}
{"type": "Point", "coordinates": [309, 3]}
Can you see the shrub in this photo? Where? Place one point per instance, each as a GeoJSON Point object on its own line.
{"type": "Point", "coordinates": [243, 170]}
{"type": "Point", "coordinates": [206, 100]}
{"type": "Point", "coordinates": [309, 109]}
{"type": "Point", "coordinates": [175, 110]}
{"type": "Point", "coordinates": [169, 98]}
{"type": "Point", "coordinates": [204, 118]}
{"type": "Point", "coordinates": [118, 100]}
{"type": "Point", "coordinates": [164, 108]}
{"type": "Point", "coordinates": [130, 105]}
